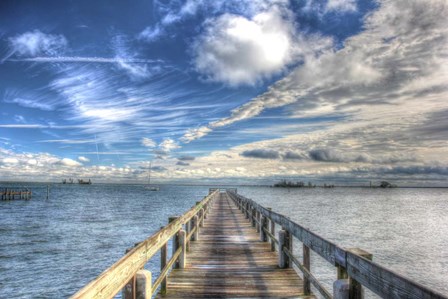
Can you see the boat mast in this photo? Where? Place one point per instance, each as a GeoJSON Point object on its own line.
{"type": "Point", "coordinates": [149, 173]}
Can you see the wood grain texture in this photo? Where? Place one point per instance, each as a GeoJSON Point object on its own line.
{"type": "Point", "coordinates": [230, 261]}
{"type": "Point", "coordinates": [112, 280]}
{"type": "Point", "coordinates": [378, 279]}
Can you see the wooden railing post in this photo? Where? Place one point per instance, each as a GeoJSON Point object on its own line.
{"type": "Point", "coordinates": [281, 254]}
{"type": "Point", "coordinates": [272, 232]}
{"type": "Point", "coordinates": [306, 265]}
{"type": "Point", "coordinates": [188, 228]}
{"type": "Point", "coordinates": [183, 244]}
{"type": "Point", "coordinates": [264, 226]}
{"type": "Point", "coordinates": [129, 289]}
{"type": "Point", "coordinates": [247, 210]}
{"type": "Point", "coordinates": [143, 284]}
{"type": "Point", "coordinates": [175, 241]}
{"type": "Point", "coordinates": [253, 216]}
{"type": "Point", "coordinates": [201, 219]}
{"type": "Point", "coordinates": [163, 260]}
{"type": "Point", "coordinates": [257, 223]}
{"type": "Point", "coordinates": [356, 289]}
{"type": "Point", "coordinates": [341, 289]}
{"type": "Point", "coordinates": [195, 224]}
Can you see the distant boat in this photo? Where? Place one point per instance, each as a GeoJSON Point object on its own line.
{"type": "Point", "coordinates": [149, 187]}
{"type": "Point", "coordinates": [82, 182]}
{"type": "Point", "coordinates": [70, 181]}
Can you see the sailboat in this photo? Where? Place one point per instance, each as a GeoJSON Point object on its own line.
{"type": "Point", "coordinates": [149, 187]}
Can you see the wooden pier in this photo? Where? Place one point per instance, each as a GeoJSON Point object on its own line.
{"type": "Point", "coordinates": [228, 246]}
{"type": "Point", "coordinates": [13, 194]}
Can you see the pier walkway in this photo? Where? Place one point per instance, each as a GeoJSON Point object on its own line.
{"type": "Point", "coordinates": [230, 261]}
{"type": "Point", "coordinates": [229, 246]}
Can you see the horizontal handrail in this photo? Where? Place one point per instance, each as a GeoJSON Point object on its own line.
{"type": "Point", "coordinates": [112, 280]}
{"type": "Point", "coordinates": [377, 278]}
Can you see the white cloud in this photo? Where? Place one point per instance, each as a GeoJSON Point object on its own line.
{"type": "Point", "coordinates": [83, 159]}
{"type": "Point", "coordinates": [193, 134]}
{"type": "Point", "coordinates": [168, 144]}
{"type": "Point", "coordinates": [10, 161]}
{"type": "Point", "coordinates": [69, 162]}
{"type": "Point", "coordinates": [341, 5]}
{"type": "Point", "coordinates": [37, 43]}
{"type": "Point", "coordinates": [81, 59]}
{"type": "Point", "coordinates": [151, 33]}
{"type": "Point", "coordinates": [393, 62]}
{"type": "Point", "coordinates": [236, 50]}
{"type": "Point", "coordinates": [148, 142]}
{"type": "Point", "coordinates": [29, 103]}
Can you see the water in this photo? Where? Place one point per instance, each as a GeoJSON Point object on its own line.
{"type": "Point", "coordinates": [51, 248]}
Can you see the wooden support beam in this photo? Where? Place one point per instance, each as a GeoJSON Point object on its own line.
{"type": "Point", "coordinates": [175, 240]}
{"type": "Point", "coordinates": [341, 289]}
{"type": "Point", "coordinates": [356, 289]}
{"type": "Point", "coordinates": [183, 245]}
{"type": "Point", "coordinates": [163, 261]}
{"type": "Point", "coordinates": [143, 284]}
{"type": "Point", "coordinates": [195, 224]}
{"type": "Point", "coordinates": [264, 226]}
{"type": "Point", "coordinates": [281, 254]}
{"type": "Point", "coordinates": [306, 264]}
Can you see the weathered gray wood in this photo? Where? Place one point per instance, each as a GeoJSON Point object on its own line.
{"type": "Point", "coordinates": [164, 273]}
{"type": "Point", "coordinates": [253, 216]}
{"type": "Point", "coordinates": [175, 240]}
{"type": "Point", "coordinates": [183, 245]}
{"type": "Point", "coordinates": [307, 274]}
{"type": "Point", "coordinates": [341, 289]}
{"type": "Point", "coordinates": [112, 280]}
{"type": "Point", "coordinates": [231, 262]}
{"type": "Point", "coordinates": [356, 290]}
{"type": "Point", "coordinates": [188, 228]}
{"type": "Point", "coordinates": [163, 260]}
{"type": "Point", "coordinates": [316, 243]}
{"type": "Point", "coordinates": [196, 226]}
{"type": "Point", "coordinates": [281, 254]}
{"type": "Point", "coordinates": [272, 228]}
{"type": "Point", "coordinates": [143, 284]}
{"type": "Point", "coordinates": [201, 218]}
{"type": "Point", "coordinates": [380, 280]}
{"type": "Point", "coordinates": [264, 226]}
{"type": "Point", "coordinates": [306, 265]}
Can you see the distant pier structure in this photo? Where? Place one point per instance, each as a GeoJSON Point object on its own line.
{"type": "Point", "coordinates": [13, 194]}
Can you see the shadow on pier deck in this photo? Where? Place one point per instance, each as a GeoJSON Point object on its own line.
{"type": "Point", "coordinates": [230, 261]}
{"type": "Point", "coordinates": [226, 246]}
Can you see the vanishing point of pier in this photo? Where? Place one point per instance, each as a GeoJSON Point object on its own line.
{"type": "Point", "coordinates": [228, 246]}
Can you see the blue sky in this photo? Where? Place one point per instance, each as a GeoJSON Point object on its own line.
{"type": "Point", "coordinates": [224, 91]}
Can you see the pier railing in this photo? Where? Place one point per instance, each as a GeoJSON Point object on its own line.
{"type": "Point", "coordinates": [15, 193]}
{"type": "Point", "coordinates": [354, 266]}
{"type": "Point", "coordinates": [128, 274]}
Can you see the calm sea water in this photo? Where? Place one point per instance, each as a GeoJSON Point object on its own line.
{"type": "Point", "coordinates": [51, 248]}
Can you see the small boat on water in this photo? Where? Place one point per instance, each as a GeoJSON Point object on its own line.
{"type": "Point", "coordinates": [82, 182]}
{"type": "Point", "coordinates": [149, 187]}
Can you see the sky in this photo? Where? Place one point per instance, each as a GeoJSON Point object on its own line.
{"type": "Point", "coordinates": [225, 91]}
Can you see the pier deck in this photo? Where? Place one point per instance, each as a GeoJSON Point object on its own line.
{"type": "Point", "coordinates": [227, 246]}
{"type": "Point", "coordinates": [230, 261]}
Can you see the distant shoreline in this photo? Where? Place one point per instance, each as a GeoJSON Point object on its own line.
{"type": "Point", "coordinates": [225, 185]}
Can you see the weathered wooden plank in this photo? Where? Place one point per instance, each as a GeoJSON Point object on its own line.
{"type": "Point", "coordinates": [229, 260]}
{"type": "Point", "coordinates": [112, 280]}
{"type": "Point", "coordinates": [380, 280]}
{"type": "Point", "coordinates": [384, 282]}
